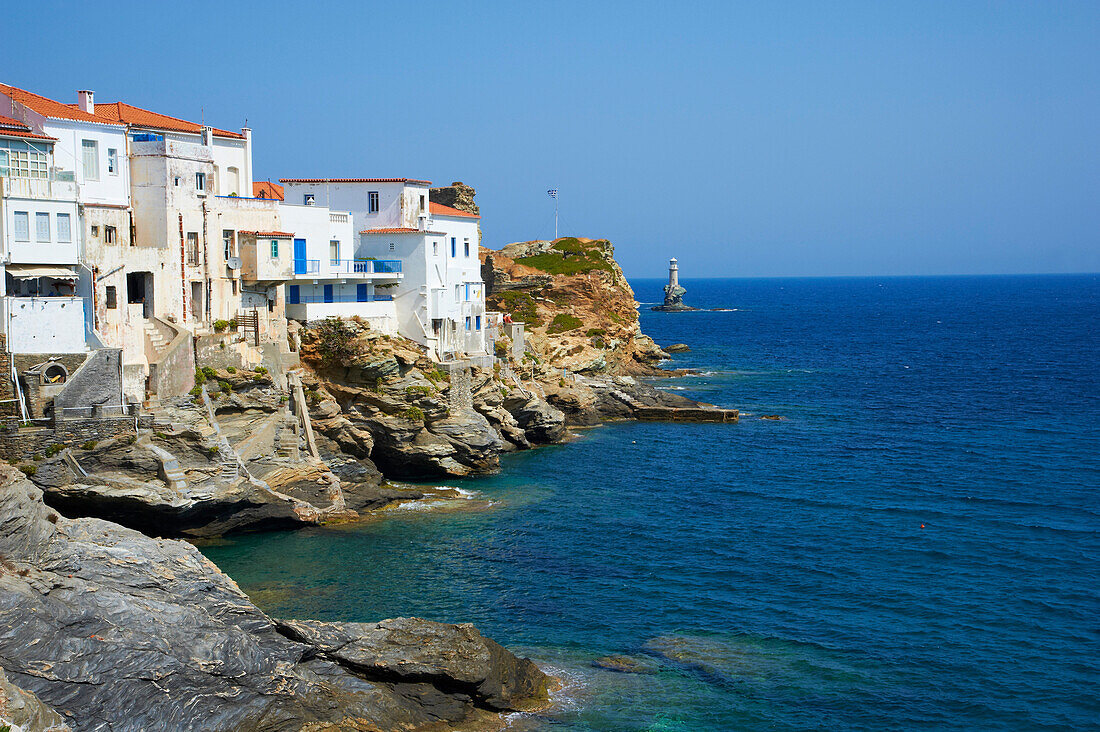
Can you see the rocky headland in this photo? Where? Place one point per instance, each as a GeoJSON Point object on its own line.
{"type": "Point", "coordinates": [104, 627]}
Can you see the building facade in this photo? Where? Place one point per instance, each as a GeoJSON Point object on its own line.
{"type": "Point", "coordinates": [439, 300]}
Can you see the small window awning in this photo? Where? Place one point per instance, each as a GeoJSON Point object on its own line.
{"type": "Point", "coordinates": [33, 271]}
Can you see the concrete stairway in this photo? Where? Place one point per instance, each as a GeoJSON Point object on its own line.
{"type": "Point", "coordinates": [154, 339]}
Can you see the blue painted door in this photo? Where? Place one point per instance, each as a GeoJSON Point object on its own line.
{"type": "Point", "coordinates": [328, 293]}
{"type": "Point", "coordinates": [361, 292]}
{"type": "Point", "coordinates": [299, 256]}
{"type": "Point", "coordinates": [293, 297]}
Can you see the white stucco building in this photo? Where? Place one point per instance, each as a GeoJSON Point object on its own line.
{"type": "Point", "coordinates": [439, 299]}
{"type": "Point", "coordinates": [41, 307]}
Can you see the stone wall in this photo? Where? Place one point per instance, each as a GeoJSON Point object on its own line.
{"type": "Point", "coordinates": [174, 372]}
{"type": "Point", "coordinates": [97, 381]}
{"type": "Point", "coordinates": [23, 443]}
{"type": "Point", "coordinates": [460, 395]}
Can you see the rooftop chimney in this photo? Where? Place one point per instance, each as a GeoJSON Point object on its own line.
{"type": "Point", "coordinates": [86, 101]}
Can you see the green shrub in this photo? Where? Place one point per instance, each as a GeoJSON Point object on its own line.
{"type": "Point", "coordinates": [212, 451]}
{"type": "Point", "coordinates": [260, 370]}
{"type": "Point", "coordinates": [209, 372]}
{"type": "Point", "coordinates": [414, 414]}
{"type": "Point", "coordinates": [335, 342]}
{"type": "Point", "coordinates": [500, 349]}
{"type": "Point", "coordinates": [415, 389]}
{"type": "Point", "coordinates": [595, 332]}
{"type": "Point", "coordinates": [200, 378]}
{"type": "Point", "coordinates": [521, 306]}
{"type": "Point", "coordinates": [225, 386]}
{"type": "Point", "coordinates": [377, 388]}
{"type": "Point", "coordinates": [37, 457]}
{"type": "Point", "coordinates": [220, 325]}
{"type": "Point", "coordinates": [231, 369]}
{"type": "Point", "coordinates": [563, 322]}
{"type": "Point", "coordinates": [29, 469]}
{"type": "Point", "coordinates": [89, 445]}
{"type": "Point", "coordinates": [438, 375]}
{"type": "Point", "coordinates": [222, 345]}
{"type": "Point", "coordinates": [232, 324]}
{"type": "Point", "coordinates": [569, 256]}
{"type": "Point", "coordinates": [284, 399]}
{"type": "Point", "coordinates": [54, 449]}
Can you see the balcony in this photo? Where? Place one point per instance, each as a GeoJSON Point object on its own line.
{"type": "Point", "coordinates": [53, 188]}
{"type": "Point", "coordinates": [348, 268]}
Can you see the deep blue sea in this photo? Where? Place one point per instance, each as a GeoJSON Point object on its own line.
{"type": "Point", "coordinates": [916, 545]}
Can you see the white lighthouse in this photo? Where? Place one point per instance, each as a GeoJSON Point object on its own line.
{"type": "Point", "coordinates": [673, 274]}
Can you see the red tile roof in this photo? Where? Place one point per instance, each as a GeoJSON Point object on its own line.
{"type": "Point", "coordinates": [120, 112]}
{"type": "Point", "coordinates": [440, 210]}
{"type": "Point", "coordinates": [400, 230]}
{"type": "Point", "coordinates": [414, 181]}
{"type": "Point", "coordinates": [14, 128]}
{"type": "Point", "coordinates": [269, 234]}
{"type": "Point", "coordinates": [48, 107]}
{"type": "Point", "coordinates": [267, 189]}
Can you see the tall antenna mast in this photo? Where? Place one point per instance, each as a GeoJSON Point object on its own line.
{"type": "Point", "coordinates": [553, 193]}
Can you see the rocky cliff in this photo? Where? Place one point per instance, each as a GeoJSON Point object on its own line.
{"type": "Point", "coordinates": [108, 629]}
{"type": "Point", "coordinates": [577, 306]}
{"type": "Point", "coordinates": [380, 398]}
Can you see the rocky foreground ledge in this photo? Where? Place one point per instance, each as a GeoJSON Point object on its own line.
{"type": "Point", "coordinates": [104, 628]}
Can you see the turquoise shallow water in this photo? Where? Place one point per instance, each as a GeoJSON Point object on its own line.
{"type": "Point", "coordinates": [776, 575]}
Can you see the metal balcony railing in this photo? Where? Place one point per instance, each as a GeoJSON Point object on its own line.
{"type": "Point", "coordinates": [347, 266]}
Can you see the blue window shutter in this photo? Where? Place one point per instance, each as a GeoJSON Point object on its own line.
{"type": "Point", "coordinates": [328, 293]}
{"type": "Point", "coordinates": [293, 297]}
{"type": "Point", "coordinates": [361, 292]}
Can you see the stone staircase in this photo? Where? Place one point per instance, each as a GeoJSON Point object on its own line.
{"type": "Point", "coordinates": [154, 339]}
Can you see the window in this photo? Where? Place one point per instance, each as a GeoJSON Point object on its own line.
{"type": "Point", "coordinates": [274, 248]}
{"type": "Point", "coordinates": [110, 233]}
{"type": "Point", "coordinates": [112, 161]}
{"type": "Point", "coordinates": [435, 247]}
{"type": "Point", "coordinates": [176, 181]}
{"type": "Point", "coordinates": [26, 164]}
{"type": "Point", "coordinates": [41, 227]}
{"type": "Point", "coordinates": [334, 252]}
{"type": "Point", "coordinates": [22, 226]}
{"type": "Point", "coordinates": [467, 322]}
{"type": "Point", "coordinates": [309, 199]}
{"type": "Point", "coordinates": [95, 231]}
{"type": "Point", "coordinates": [422, 204]}
{"type": "Point", "coordinates": [458, 293]}
{"type": "Point", "coordinates": [227, 243]}
{"type": "Point", "coordinates": [3, 163]}
{"type": "Point", "coordinates": [477, 322]}
{"type": "Point", "coordinates": [90, 155]}
{"type": "Point", "coordinates": [112, 297]}
{"type": "Point", "coordinates": [372, 202]}
{"type": "Point", "coordinates": [200, 182]}
{"type": "Point", "coordinates": [466, 246]}
{"type": "Point", "coordinates": [453, 245]}
{"type": "Point", "coordinates": [192, 247]}
{"type": "Point", "coordinates": [234, 287]}
{"type": "Point", "coordinates": [64, 228]}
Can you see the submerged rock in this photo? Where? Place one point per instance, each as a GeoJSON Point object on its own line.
{"type": "Point", "coordinates": [678, 348]}
{"type": "Point", "coordinates": [625, 665]}
{"type": "Point", "coordinates": [118, 631]}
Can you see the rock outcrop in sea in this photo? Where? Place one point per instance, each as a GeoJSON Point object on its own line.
{"type": "Point", "coordinates": [108, 629]}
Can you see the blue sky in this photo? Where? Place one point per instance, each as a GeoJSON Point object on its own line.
{"type": "Point", "coordinates": [746, 139]}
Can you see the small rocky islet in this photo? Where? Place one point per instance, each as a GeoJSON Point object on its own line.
{"type": "Point", "coordinates": [113, 623]}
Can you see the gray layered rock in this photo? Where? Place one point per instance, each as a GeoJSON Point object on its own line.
{"type": "Point", "coordinates": [117, 631]}
{"type": "Point", "coordinates": [421, 650]}
{"type": "Point", "coordinates": [25, 712]}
